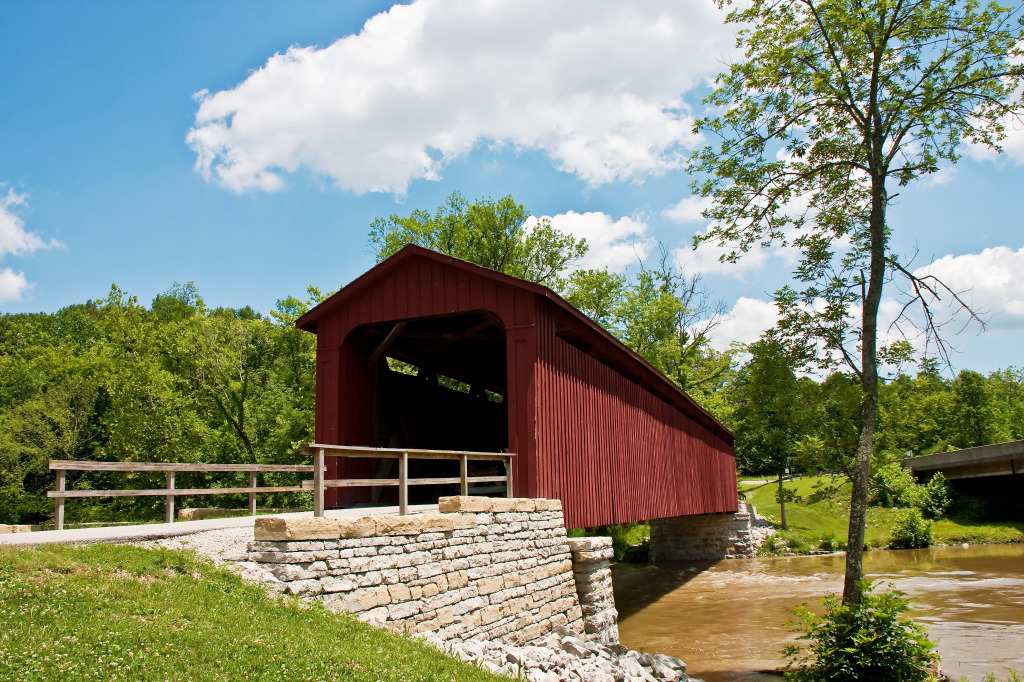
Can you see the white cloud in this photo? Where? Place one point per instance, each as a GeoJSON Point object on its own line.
{"type": "Point", "coordinates": [1013, 145]}
{"type": "Point", "coordinates": [689, 210]}
{"type": "Point", "coordinates": [614, 244]}
{"type": "Point", "coordinates": [990, 282]}
{"type": "Point", "coordinates": [595, 84]}
{"type": "Point", "coordinates": [745, 323]}
{"type": "Point", "coordinates": [15, 240]}
{"type": "Point", "coordinates": [943, 176]}
{"type": "Point", "coordinates": [12, 285]}
{"type": "Point", "coordinates": [706, 259]}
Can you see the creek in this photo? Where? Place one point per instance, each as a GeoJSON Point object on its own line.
{"type": "Point", "coordinates": [726, 619]}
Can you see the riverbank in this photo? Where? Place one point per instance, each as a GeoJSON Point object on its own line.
{"type": "Point", "coordinates": [818, 518]}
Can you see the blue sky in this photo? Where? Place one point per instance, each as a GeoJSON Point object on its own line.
{"type": "Point", "coordinates": [247, 146]}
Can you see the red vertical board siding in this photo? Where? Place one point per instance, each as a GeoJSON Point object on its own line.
{"type": "Point", "coordinates": [625, 454]}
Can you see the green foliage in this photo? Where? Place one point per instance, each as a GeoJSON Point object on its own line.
{"type": "Point", "coordinates": [494, 234]}
{"type": "Point", "coordinates": [938, 496]}
{"type": "Point", "coordinates": [894, 486]}
{"type": "Point", "coordinates": [910, 530]}
{"type": "Point", "coordinates": [830, 543]}
{"type": "Point", "coordinates": [631, 541]}
{"type": "Point", "coordinates": [861, 641]}
{"type": "Point", "coordinates": [125, 613]}
{"type": "Point", "coordinates": [178, 382]}
{"type": "Point", "coordinates": [973, 414]}
{"type": "Point", "coordinates": [769, 409]}
{"type": "Point", "coordinates": [787, 495]}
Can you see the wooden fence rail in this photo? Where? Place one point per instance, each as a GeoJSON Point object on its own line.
{"type": "Point", "coordinates": [320, 452]}
{"type": "Point", "coordinates": [169, 493]}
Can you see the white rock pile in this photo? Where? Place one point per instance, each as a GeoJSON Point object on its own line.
{"type": "Point", "coordinates": [564, 656]}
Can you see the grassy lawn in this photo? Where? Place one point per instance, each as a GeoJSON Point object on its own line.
{"type": "Point", "coordinates": [121, 612]}
{"type": "Point", "coordinates": [820, 521]}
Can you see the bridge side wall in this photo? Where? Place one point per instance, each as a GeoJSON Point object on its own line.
{"type": "Point", "coordinates": [615, 452]}
{"type": "Point", "coordinates": [496, 569]}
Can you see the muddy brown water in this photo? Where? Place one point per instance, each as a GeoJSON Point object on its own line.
{"type": "Point", "coordinates": [726, 619]}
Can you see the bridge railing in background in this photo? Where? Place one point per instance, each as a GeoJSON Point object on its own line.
{"type": "Point", "coordinates": [320, 452]}
{"type": "Point", "coordinates": [169, 469]}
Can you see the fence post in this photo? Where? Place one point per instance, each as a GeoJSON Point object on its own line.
{"type": "Point", "coordinates": [252, 495]}
{"type": "Point", "coordinates": [58, 502]}
{"type": "Point", "coordinates": [169, 511]}
{"type": "Point", "coordinates": [508, 477]}
{"type": "Point", "coordinates": [464, 475]}
{"type": "Point", "coordinates": [318, 483]}
{"type": "Point", "coordinates": [403, 483]}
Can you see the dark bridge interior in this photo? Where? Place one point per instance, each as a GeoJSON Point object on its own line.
{"type": "Point", "coordinates": [440, 383]}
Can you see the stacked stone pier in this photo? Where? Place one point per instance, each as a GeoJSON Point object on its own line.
{"type": "Point", "coordinates": [591, 559]}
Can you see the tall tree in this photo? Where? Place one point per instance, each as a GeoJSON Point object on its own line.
{"type": "Point", "coordinates": [836, 103]}
{"type": "Point", "coordinates": [491, 233]}
{"type": "Point", "coordinates": [769, 411]}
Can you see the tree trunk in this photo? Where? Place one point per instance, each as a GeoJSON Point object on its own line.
{"type": "Point", "coordinates": [852, 592]}
{"type": "Point", "coordinates": [782, 501]}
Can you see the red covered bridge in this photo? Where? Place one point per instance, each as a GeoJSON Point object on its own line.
{"type": "Point", "coordinates": [428, 351]}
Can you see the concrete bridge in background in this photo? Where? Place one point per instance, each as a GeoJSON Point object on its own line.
{"type": "Point", "coordinates": [1000, 459]}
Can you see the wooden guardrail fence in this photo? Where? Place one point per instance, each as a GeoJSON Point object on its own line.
{"type": "Point", "coordinates": [320, 452]}
{"type": "Point", "coordinates": [169, 469]}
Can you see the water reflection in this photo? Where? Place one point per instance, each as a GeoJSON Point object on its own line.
{"type": "Point", "coordinates": [726, 619]}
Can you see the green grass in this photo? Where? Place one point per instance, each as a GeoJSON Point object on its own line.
{"type": "Point", "coordinates": [954, 531]}
{"type": "Point", "coordinates": [822, 522]}
{"type": "Point", "coordinates": [121, 612]}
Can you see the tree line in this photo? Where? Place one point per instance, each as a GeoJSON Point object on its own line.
{"type": "Point", "coordinates": [809, 425]}
{"type": "Point", "coordinates": [174, 381]}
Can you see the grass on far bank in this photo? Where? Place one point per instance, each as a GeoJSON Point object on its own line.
{"type": "Point", "coordinates": [821, 521]}
{"type": "Point", "coordinates": [122, 612]}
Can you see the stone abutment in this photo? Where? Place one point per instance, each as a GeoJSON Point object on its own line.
{"type": "Point", "coordinates": [708, 537]}
{"type": "Point", "coordinates": [483, 568]}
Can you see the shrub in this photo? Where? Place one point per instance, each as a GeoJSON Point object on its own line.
{"type": "Point", "coordinates": [830, 543]}
{"type": "Point", "coordinates": [865, 641]}
{"type": "Point", "coordinates": [631, 541]}
{"type": "Point", "coordinates": [910, 530]}
{"type": "Point", "coordinates": [773, 546]}
{"type": "Point", "coordinates": [894, 486]}
{"type": "Point", "coordinates": [937, 496]}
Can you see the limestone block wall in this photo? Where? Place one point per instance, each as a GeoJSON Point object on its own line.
{"type": "Point", "coordinates": [483, 568]}
{"type": "Point", "coordinates": [706, 537]}
{"type": "Point", "coordinates": [591, 559]}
